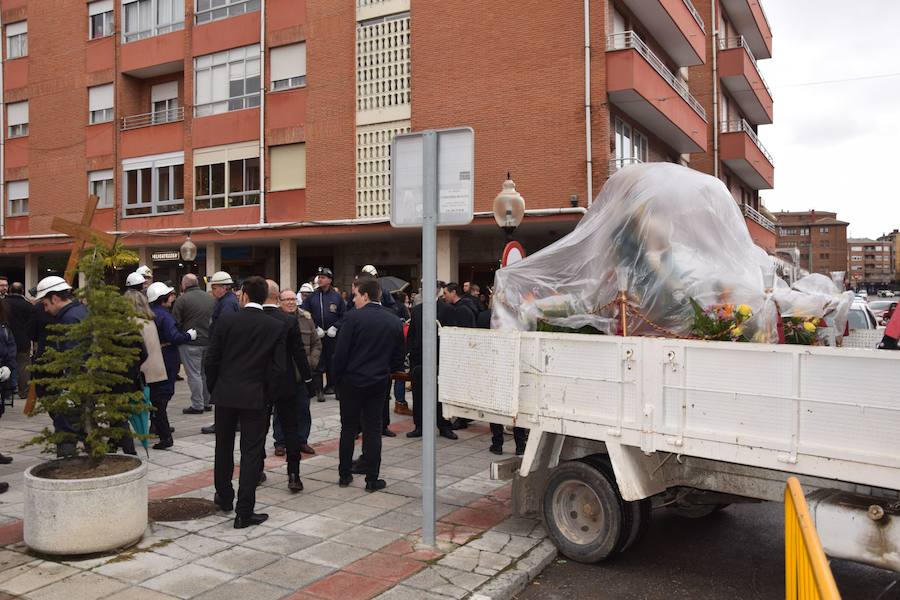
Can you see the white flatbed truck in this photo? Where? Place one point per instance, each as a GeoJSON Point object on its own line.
{"type": "Point", "coordinates": [620, 425]}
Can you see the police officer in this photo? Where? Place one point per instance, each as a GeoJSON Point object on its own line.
{"type": "Point", "coordinates": [327, 309]}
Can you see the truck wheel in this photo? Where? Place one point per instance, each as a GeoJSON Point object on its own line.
{"type": "Point", "coordinates": [583, 513]}
{"type": "Point", "coordinates": [694, 511]}
{"type": "Point", "coordinates": [636, 515]}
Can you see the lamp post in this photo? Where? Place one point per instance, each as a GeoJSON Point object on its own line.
{"type": "Point", "coordinates": [509, 208]}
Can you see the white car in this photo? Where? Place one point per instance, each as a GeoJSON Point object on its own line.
{"type": "Point", "coordinates": [862, 317]}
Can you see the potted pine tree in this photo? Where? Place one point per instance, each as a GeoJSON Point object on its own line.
{"type": "Point", "coordinates": [89, 500]}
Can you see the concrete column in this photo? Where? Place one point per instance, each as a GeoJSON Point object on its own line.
{"type": "Point", "coordinates": [82, 279]}
{"type": "Point", "coordinates": [146, 256]}
{"type": "Point", "coordinates": [447, 255]}
{"type": "Point", "coordinates": [31, 271]}
{"type": "Point", "coordinates": [213, 259]}
{"type": "Point", "coordinates": [288, 264]}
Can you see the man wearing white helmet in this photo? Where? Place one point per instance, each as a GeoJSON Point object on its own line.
{"type": "Point", "coordinates": [220, 285]}
{"type": "Point", "coordinates": [147, 273]}
{"type": "Point", "coordinates": [135, 281]}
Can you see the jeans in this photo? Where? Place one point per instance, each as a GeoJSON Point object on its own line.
{"type": "Point", "coordinates": [400, 391]}
{"type": "Point", "coordinates": [192, 358]}
{"type": "Point", "coordinates": [304, 420]}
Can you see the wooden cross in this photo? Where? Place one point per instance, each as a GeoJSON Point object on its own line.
{"type": "Point", "coordinates": [82, 234]}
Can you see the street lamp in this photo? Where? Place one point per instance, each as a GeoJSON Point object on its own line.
{"type": "Point", "coordinates": [188, 250]}
{"type": "Point", "coordinates": [509, 208]}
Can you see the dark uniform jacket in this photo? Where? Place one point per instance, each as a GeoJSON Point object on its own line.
{"type": "Point", "coordinates": [169, 339]}
{"type": "Point", "coordinates": [225, 305]}
{"type": "Point", "coordinates": [246, 359]}
{"type": "Point", "coordinates": [297, 370]}
{"type": "Point", "coordinates": [327, 308]}
{"type": "Point", "coordinates": [369, 347]}
{"type": "Point", "coordinates": [21, 315]}
{"type": "Point", "coordinates": [445, 316]}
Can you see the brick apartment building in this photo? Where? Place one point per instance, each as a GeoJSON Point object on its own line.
{"type": "Point", "coordinates": [819, 236]}
{"type": "Point", "coordinates": [893, 238]}
{"type": "Point", "coordinates": [262, 128]}
{"type": "Point", "coordinates": [871, 267]}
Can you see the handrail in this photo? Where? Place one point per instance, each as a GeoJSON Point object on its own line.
{"type": "Point", "coordinates": [153, 118]}
{"type": "Point", "coordinates": [620, 163]}
{"type": "Point", "coordinates": [740, 42]}
{"type": "Point", "coordinates": [739, 126]}
{"type": "Point", "coordinates": [629, 40]}
{"type": "Point", "coordinates": [758, 218]}
{"type": "Point", "coordinates": [806, 570]}
{"type": "Point", "coordinates": [695, 14]}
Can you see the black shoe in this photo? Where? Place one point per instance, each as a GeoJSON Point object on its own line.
{"type": "Point", "coordinates": [164, 444]}
{"type": "Point", "coordinates": [448, 433]}
{"type": "Point", "coordinates": [374, 486]}
{"type": "Point", "coordinates": [520, 450]}
{"type": "Point", "coordinates": [179, 378]}
{"type": "Point", "coordinates": [345, 480]}
{"type": "Point", "coordinates": [190, 410]}
{"type": "Point", "coordinates": [388, 433]}
{"type": "Point", "coordinates": [251, 519]}
{"type": "Point", "coordinates": [460, 424]}
{"type": "Point", "coordinates": [320, 398]}
{"type": "Point", "coordinates": [358, 467]}
{"type": "Point", "coordinates": [294, 483]}
{"type": "Point", "coordinates": [415, 433]}
{"type": "Point", "coordinates": [207, 408]}
{"type": "Point", "coordinates": [208, 429]}
{"type": "Point", "coordinates": [223, 506]}
{"type": "Point", "coordinates": [496, 449]}
{"type": "Point", "coordinates": [5, 460]}
{"type": "Point", "coordinates": [262, 479]}
{"type": "Point", "coordinates": [329, 391]}
{"type": "Point", "coordinates": [4, 487]}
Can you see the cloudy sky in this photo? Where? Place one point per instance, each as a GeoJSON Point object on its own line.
{"type": "Point", "coordinates": [836, 145]}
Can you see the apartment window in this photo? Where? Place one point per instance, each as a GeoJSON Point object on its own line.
{"type": "Point", "coordinates": [227, 176]}
{"type": "Point", "coordinates": [226, 81]}
{"type": "Point", "coordinates": [856, 248]}
{"type": "Point", "coordinates": [823, 230]}
{"type": "Point", "coordinates": [213, 10]}
{"type": "Point", "coordinates": [146, 18]}
{"type": "Point", "coordinates": [100, 184]}
{"type": "Point", "coordinates": [631, 145]}
{"type": "Point", "coordinates": [287, 167]}
{"type": "Point", "coordinates": [17, 119]}
{"type": "Point", "coordinates": [17, 193]}
{"type": "Point", "coordinates": [100, 19]}
{"type": "Point", "coordinates": [17, 40]}
{"type": "Point", "coordinates": [153, 185]}
{"type": "Point", "coordinates": [804, 231]}
{"type": "Point", "coordinates": [164, 102]}
{"type": "Point", "coordinates": [100, 103]}
{"type": "Point", "coordinates": [825, 244]}
{"type": "Point", "coordinates": [824, 256]}
{"type": "Point", "coordinates": [287, 66]}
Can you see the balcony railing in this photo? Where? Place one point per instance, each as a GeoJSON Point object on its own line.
{"type": "Point", "coordinates": [620, 163]}
{"type": "Point", "coordinates": [153, 118]}
{"type": "Point", "coordinates": [743, 126]}
{"type": "Point", "coordinates": [740, 42]}
{"type": "Point", "coordinates": [758, 218]}
{"type": "Point", "coordinates": [629, 40]}
{"type": "Point", "coordinates": [695, 14]}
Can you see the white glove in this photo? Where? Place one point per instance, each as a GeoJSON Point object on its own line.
{"type": "Point", "coordinates": [332, 331]}
{"type": "Point", "coordinates": [192, 333]}
{"type": "Point", "coordinates": [5, 373]}
{"type": "Point", "coordinates": [320, 332]}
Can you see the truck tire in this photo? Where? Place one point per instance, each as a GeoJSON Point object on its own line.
{"type": "Point", "coordinates": [636, 515]}
{"type": "Point", "coordinates": [583, 512]}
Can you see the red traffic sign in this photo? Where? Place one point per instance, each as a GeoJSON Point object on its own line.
{"type": "Point", "coordinates": [513, 253]}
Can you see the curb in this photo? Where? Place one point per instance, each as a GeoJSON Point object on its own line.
{"type": "Point", "coordinates": [509, 583]}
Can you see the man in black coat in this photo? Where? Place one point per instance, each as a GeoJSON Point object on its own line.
{"type": "Point", "coordinates": [286, 401]}
{"type": "Point", "coordinates": [21, 314]}
{"type": "Point", "coordinates": [245, 362]}
{"type": "Point", "coordinates": [369, 348]}
{"type": "Point", "coordinates": [464, 308]}
{"type": "Point", "coordinates": [446, 317]}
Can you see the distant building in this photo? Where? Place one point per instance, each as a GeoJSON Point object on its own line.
{"type": "Point", "coordinates": [870, 263]}
{"type": "Point", "coordinates": [894, 239]}
{"type": "Point", "coordinates": [819, 236]}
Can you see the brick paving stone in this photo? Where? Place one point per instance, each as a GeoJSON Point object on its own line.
{"type": "Point", "coordinates": [226, 532]}
{"type": "Point", "coordinates": [519, 545]}
{"type": "Point", "coordinates": [34, 575]}
{"type": "Point", "coordinates": [290, 573]}
{"type": "Point", "coordinates": [10, 559]}
{"type": "Point", "coordinates": [348, 586]}
{"type": "Point", "coordinates": [396, 521]}
{"type": "Point", "coordinates": [188, 581]}
{"type": "Point", "coordinates": [282, 542]}
{"type": "Point", "coordinates": [139, 593]}
{"type": "Point", "coordinates": [238, 560]}
{"type": "Point", "coordinates": [402, 592]}
{"type": "Point", "coordinates": [368, 538]}
{"type": "Point", "coordinates": [244, 588]}
{"type": "Point", "coordinates": [339, 493]}
{"type": "Point", "coordinates": [191, 546]}
{"type": "Point", "coordinates": [139, 567]}
{"type": "Point", "coordinates": [464, 559]}
{"type": "Point", "coordinates": [81, 586]}
{"type": "Point", "coordinates": [388, 501]}
{"type": "Point", "coordinates": [446, 581]}
{"type": "Point", "coordinates": [199, 524]}
{"type": "Point", "coordinates": [319, 526]}
{"type": "Point", "coordinates": [491, 541]}
{"type": "Point", "coordinates": [384, 566]}
{"type": "Point", "coordinates": [331, 554]}
{"type": "Point", "coordinates": [522, 526]}
{"type": "Point", "coordinates": [483, 517]}
{"type": "Point", "coordinates": [404, 488]}
{"type": "Point", "coordinates": [353, 512]}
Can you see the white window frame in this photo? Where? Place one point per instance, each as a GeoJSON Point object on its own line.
{"type": "Point", "coordinates": [100, 184]}
{"type": "Point", "coordinates": [154, 205]}
{"type": "Point", "coordinates": [289, 76]}
{"type": "Point", "coordinates": [237, 64]}
{"type": "Point", "coordinates": [17, 205]}
{"type": "Point", "coordinates": [154, 26]}
{"type": "Point", "coordinates": [16, 128]}
{"type": "Point", "coordinates": [227, 198]}
{"type": "Point", "coordinates": [97, 112]}
{"type": "Point", "coordinates": [164, 103]}
{"type": "Point", "coordinates": [101, 20]}
{"type": "Point", "coordinates": [17, 40]}
{"type": "Point", "coordinates": [631, 146]}
{"type": "Point", "coordinates": [207, 11]}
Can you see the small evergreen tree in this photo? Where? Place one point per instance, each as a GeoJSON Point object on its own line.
{"type": "Point", "coordinates": [79, 381]}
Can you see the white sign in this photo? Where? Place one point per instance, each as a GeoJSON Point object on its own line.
{"type": "Point", "coordinates": [456, 178]}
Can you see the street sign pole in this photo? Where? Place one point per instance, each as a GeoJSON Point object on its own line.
{"type": "Point", "coordinates": [429, 330]}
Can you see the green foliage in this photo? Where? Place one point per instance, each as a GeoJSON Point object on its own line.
{"type": "Point", "coordinates": [802, 331]}
{"type": "Point", "coordinates": [84, 363]}
{"type": "Point", "coordinates": [720, 322]}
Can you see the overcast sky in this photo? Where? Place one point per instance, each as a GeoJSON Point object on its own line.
{"type": "Point", "coordinates": [836, 145]}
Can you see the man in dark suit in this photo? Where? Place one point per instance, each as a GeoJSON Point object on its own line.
{"type": "Point", "coordinates": [369, 348]}
{"type": "Point", "coordinates": [286, 400]}
{"type": "Point", "coordinates": [244, 364]}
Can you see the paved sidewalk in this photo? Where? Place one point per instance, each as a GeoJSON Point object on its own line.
{"type": "Point", "coordinates": [323, 543]}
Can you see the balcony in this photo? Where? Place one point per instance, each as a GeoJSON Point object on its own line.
{"type": "Point", "coordinates": [640, 85]}
{"type": "Point", "coordinates": [153, 56]}
{"type": "Point", "coordinates": [757, 217]}
{"type": "Point", "coordinates": [740, 75]}
{"type": "Point", "coordinates": [617, 164]}
{"type": "Point", "coordinates": [153, 118]}
{"type": "Point", "coordinates": [743, 153]}
{"type": "Point", "coordinates": [676, 26]}
{"type": "Point", "coordinates": [750, 21]}
{"type": "Point", "coordinates": [761, 229]}
{"type": "Point", "coordinates": [157, 132]}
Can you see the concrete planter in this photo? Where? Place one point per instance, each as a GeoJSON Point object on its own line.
{"type": "Point", "coordinates": [85, 516]}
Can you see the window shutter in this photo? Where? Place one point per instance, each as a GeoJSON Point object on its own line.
{"type": "Point", "coordinates": [287, 167]}
{"type": "Point", "coordinates": [17, 113]}
{"type": "Point", "coordinates": [287, 61]}
{"type": "Point", "coordinates": [99, 7]}
{"type": "Point", "coordinates": [17, 190]}
{"type": "Point", "coordinates": [101, 97]}
{"type": "Point", "coordinates": [16, 28]}
{"type": "Point", "coordinates": [164, 91]}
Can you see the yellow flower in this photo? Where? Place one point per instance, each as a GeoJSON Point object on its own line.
{"type": "Point", "coordinates": [744, 310]}
{"type": "Point", "coordinates": [810, 327]}
{"type": "Point", "coordinates": [737, 331]}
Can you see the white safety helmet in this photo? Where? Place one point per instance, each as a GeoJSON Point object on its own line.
{"type": "Point", "coordinates": [134, 279]}
{"type": "Point", "coordinates": [221, 278]}
{"type": "Point", "coordinates": [306, 288]}
{"type": "Point", "coordinates": [158, 290]}
{"type": "Point", "coordinates": [144, 271]}
{"type": "Point", "coordinates": [53, 283]}
{"type": "Point", "coordinates": [370, 270]}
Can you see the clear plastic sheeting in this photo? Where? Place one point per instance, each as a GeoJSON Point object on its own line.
{"type": "Point", "coordinates": [677, 234]}
{"type": "Point", "coordinates": [815, 296]}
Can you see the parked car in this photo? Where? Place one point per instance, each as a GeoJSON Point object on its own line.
{"type": "Point", "coordinates": [879, 307]}
{"type": "Point", "coordinates": [861, 317]}
{"type": "Point", "coordinates": [885, 294]}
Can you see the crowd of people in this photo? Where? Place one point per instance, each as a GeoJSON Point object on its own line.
{"type": "Point", "coordinates": [256, 354]}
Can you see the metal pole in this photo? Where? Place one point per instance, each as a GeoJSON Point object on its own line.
{"type": "Point", "coordinates": [429, 330]}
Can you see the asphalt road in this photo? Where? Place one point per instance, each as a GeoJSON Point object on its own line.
{"type": "Point", "coordinates": [736, 553]}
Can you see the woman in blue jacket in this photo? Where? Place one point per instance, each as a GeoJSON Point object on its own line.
{"type": "Point", "coordinates": [7, 373]}
{"type": "Point", "coordinates": [161, 297]}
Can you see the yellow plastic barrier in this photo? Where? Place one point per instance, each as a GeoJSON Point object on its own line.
{"type": "Point", "coordinates": [807, 575]}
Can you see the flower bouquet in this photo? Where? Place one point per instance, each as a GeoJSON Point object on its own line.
{"type": "Point", "coordinates": [720, 322]}
{"type": "Point", "coordinates": [802, 331]}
